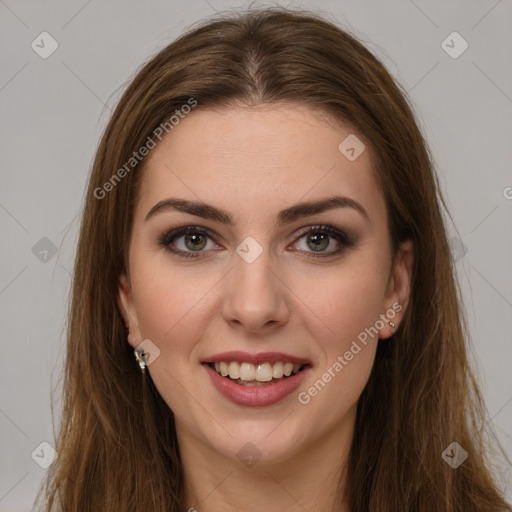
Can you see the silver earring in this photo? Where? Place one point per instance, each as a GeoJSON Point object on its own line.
{"type": "Point", "coordinates": [139, 356]}
{"type": "Point", "coordinates": [392, 325]}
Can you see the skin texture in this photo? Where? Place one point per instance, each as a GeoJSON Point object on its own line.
{"type": "Point", "coordinates": [252, 162]}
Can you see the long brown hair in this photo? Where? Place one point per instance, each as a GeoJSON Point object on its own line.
{"type": "Point", "coordinates": [117, 447]}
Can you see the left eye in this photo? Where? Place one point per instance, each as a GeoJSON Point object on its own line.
{"type": "Point", "coordinates": [319, 239]}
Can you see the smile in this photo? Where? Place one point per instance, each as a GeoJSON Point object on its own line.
{"type": "Point", "coordinates": [247, 374]}
{"type": "Point", "coordinates": [256, 380]}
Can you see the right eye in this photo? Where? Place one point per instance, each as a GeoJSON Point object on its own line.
{"type": "Point", "coordinates": [188, 240]}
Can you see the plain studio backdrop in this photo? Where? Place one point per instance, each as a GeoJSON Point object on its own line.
{"type": "Point", "coordinates": [63, 68]}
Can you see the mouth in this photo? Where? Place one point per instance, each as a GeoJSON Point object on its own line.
{"type": "Point", "coordinates": [250, 375]}
{"type": "Point", "coordinates": [256, 379]}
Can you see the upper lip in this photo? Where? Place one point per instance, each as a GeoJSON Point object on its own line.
{"type": "Point", "coordinates": [260, 358]}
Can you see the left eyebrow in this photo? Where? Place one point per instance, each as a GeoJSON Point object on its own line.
{"type": "Point", "coordinates": [285, 216]}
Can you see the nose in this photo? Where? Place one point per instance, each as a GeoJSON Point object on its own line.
{"type": "Point", "coordinates": [256, 298]}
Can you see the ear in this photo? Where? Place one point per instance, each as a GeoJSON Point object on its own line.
{"type": "Point", "coordinates": [127, 309]}
{"type": "Point", "coordinates": [399, 288]}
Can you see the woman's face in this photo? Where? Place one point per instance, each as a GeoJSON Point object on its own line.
{"type": "Point", "coordinates": [262, 273]}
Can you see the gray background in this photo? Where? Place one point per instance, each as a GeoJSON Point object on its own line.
{"type": "Point", "coordinates": [54, 110]}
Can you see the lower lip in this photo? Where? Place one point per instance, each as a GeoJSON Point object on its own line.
{"type": "Point", "coordinates": [256, 396]}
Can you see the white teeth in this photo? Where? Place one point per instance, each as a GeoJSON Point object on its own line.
{"type": "Point", "coordinates": [277, 370]}
{"type": "Point", "coordinates": [224, 369]}
{"type": "Point", "coordinates": [234, 371]}
{"type": "Point", "coordinates": [248, 372]}
{"type": "Point", "coordinates": [264, 372]}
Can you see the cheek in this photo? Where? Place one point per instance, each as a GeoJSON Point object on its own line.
{"type": "Point", "coordinates": [342, 321]}
{"type": "Point", "coordinates": [342, 305]}
{"type": "Point", "coordinates": [166, 301]}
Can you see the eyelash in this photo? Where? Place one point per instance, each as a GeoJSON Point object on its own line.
{"type": "Point", "coordinates": [341, 237]}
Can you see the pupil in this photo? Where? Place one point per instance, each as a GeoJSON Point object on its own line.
{"type": "Point", "coordinates": [320, 241]}
{"type": "Point", "coordinates": [196, 242]}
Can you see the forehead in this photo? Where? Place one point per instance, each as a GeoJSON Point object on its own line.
{"type": "Point", "coordinates": [263, 157]}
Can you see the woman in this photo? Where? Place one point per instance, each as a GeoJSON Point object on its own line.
{"type": "Point", "coordinates": [264, 313]}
